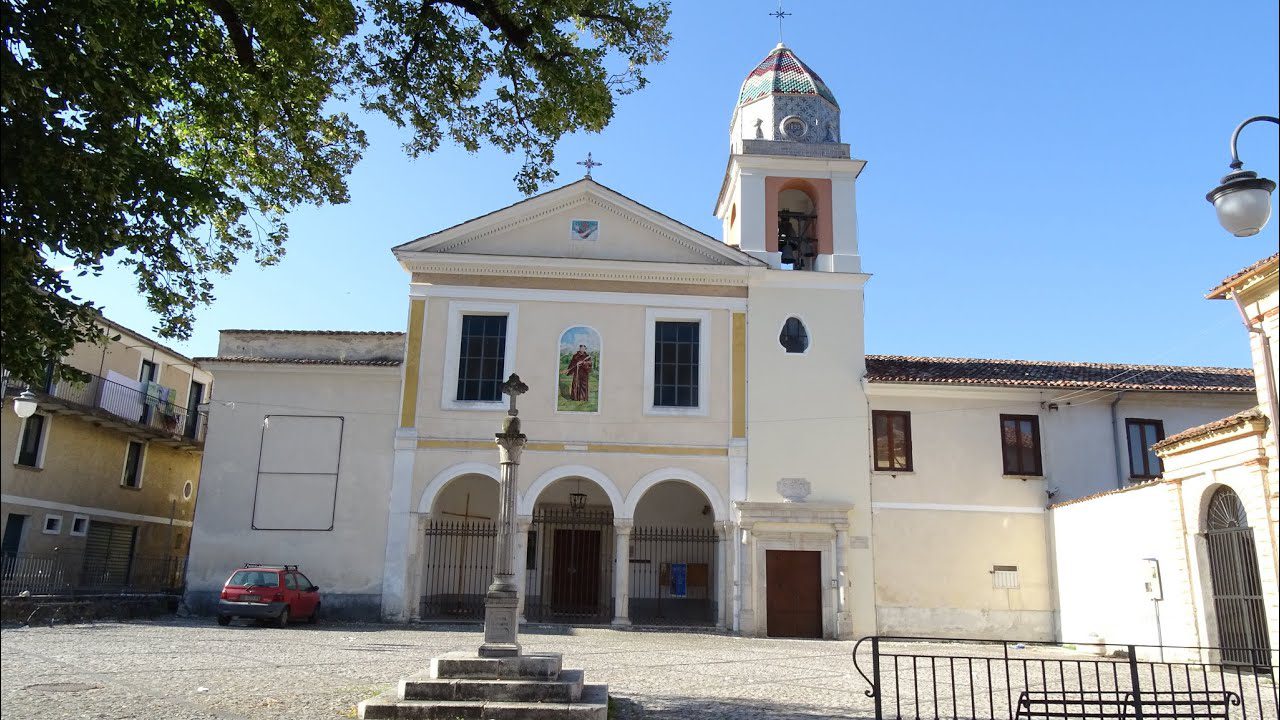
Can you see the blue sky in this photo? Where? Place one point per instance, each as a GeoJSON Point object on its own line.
{"type": "Point", "coordinates": [1034, 186]}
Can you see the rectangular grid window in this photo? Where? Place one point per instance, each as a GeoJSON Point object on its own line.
{"type": "Point", "coordinates": [1143, 463]}
{"type": "Point", "coordinates": [675, 364]}
{"type": "Point", "coordinates": [480, 359]}
{"type": "Point", "coordinates": [892, 435]}
{"type": "Point", "coordinates": [29, 448]}
{"type": "Point", "coordinates": [133, 466]}
{"type": "Point", "coordinates": [1020, 444]}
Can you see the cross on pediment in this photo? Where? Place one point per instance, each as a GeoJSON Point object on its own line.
{"type": "Point", "coordinates": [589, 164]}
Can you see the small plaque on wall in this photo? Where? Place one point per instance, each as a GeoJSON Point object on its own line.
{"type": "Point", "coordinates": [584, 230]}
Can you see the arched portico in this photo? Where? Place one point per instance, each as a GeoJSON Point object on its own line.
{"type": "Point", "coordinates": [444, 477]}
{"type": "Point", "coordinates": [719, 508]}
{"type": "Point", "coordinates": [454, 558]}
{"type": "Point", "coordinates": [1234, 583]}
{"type": "Point", "coordinates": [530, 497]}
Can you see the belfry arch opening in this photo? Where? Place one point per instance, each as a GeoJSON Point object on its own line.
{"type": "Point", "coordinates": [797, 228]}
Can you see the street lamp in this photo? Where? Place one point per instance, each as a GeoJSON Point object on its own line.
{"type": "Point", "coordinates": [24, 406]}
{"type": "Point", "coordinates": [1243, 200]}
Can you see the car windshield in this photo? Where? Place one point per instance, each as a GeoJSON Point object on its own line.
{"type": "Point", "coordinates": [254, 578]}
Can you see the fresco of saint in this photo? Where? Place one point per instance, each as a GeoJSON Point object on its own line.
{"type": "Point", "coordinates": [579, 384]}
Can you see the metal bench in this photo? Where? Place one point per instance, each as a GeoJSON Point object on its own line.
{"type": "Point", "coordinates": [1191, 704]}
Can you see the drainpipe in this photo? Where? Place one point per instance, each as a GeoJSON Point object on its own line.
{"type": "Point", "coordinates": [1115, 439]}
{"type": "Point", "coordinates": [1268, 366]}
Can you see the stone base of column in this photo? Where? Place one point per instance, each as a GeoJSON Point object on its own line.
{"type": "Point", "coordinates": [621, 622]}
{"type": "Point", "coordinates": [500, 624]}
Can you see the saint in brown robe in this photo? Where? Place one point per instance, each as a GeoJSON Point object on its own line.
{"type": "Point", "coordinates": [580, 370]}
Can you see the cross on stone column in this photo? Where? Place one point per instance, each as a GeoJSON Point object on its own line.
{"type": "Point", "coordinates": [501, 619]}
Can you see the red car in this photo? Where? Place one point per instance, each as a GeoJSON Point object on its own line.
{"type": "Point", "coordinates": [268, 592]}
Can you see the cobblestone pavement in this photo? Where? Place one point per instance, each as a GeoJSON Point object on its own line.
{"type": "Point", "coordinates": [191, 668]}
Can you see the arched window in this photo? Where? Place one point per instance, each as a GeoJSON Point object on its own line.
{"type": "Point", "coordinates": [794, 338]}
{"type": "Point", "coordinates": [1226, 512]}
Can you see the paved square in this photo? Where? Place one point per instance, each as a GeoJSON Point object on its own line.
{"type": "Point", "coordinates": [191, 668]}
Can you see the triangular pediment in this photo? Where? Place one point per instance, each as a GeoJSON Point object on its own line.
{"type": "Point", "coordinates": [585, 221]}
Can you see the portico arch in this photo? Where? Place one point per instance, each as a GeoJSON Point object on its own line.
{"type": "Point", "coordinates": [530, 497]}
{"type": "Point", "coordinates": [714, 498]}
{"type": "Point", "coordinates": [448, 474]}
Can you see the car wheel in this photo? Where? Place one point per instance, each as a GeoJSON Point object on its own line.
{"type": "Point", "coordinates": [224, 620]}
{"type": "Point", "coordinates": [283, 620]}
{"type": "Point", "coordinates": [315, 615]}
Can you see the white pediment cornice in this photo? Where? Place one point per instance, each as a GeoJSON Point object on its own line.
{"type": "Point", "coordinates": [574, 269]}
{"type": "Point", "coordinates": [585, 192]}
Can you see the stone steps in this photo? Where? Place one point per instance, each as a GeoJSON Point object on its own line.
{"type": "Point", "coordinates": [566, 689]}
{"type": "Point", "coordinates": [593, 704]}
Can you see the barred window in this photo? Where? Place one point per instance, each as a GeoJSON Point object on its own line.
{"type": "Point", "coordinates": [1020, 443]}
{"type": "Point", "coordinates": [675, 364]}
{"type": "Point", "coordinates": [480, 359]}
{"type": "Point", "coordinates": [892, 435]}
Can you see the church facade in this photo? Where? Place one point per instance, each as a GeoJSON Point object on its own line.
{"type": "Point", "coordinates": [672, 474]}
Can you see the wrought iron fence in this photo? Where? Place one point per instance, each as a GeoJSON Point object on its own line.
{"type": "Point", "coordinates": [458, 566]}
{"type": "Point", "coordinates": [100, 395]}
{"type": "Point", "coordinates": [76, 574]}
{"type": "Point", "coordinates": [1008, 680]}
{"type": "Point", "coordinates": [673, 574]}
{"type": "Point", "coordinates": [569, 566]}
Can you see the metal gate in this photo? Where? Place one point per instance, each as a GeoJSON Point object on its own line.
{"type": "Point", "coordinates": [569, 566]}
{"type": "Point", "coordinates": [1237, 586]}
{"type": "Point", "coordinates": [457, 569]}
{"type": "Point", "coordinates": [673, 573]}
{"type": "Point", "coordinates": [108, 554]}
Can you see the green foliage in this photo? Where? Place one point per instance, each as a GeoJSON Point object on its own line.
{"type": "Point", "coordinates": [179, 133]}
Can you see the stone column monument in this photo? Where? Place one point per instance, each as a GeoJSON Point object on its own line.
{"type": "Point", "coordinates": [498, 680]}
{"type": "Point", "coordinates": [501, 602]}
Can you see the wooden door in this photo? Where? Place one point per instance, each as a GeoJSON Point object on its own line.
{"type": "Point", "coordinates": [793, 597]}
{"type": "Point", "coordinates": [575, 571]}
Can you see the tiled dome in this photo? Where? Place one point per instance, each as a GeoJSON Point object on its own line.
{"type": "Point", "coordinates": [784, 73]}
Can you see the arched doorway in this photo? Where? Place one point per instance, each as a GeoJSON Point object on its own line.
{"type": "Point", "coordinates": [569, 557]}
{"type": "Point", "coordinates": [458, 547]}
{"type": "Point", "coordinates": [674, 557]}
{"type": "Point", "coordinates": [1235, 581]}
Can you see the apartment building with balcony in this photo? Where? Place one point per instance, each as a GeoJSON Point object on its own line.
{"type": "Point", "coordinates": [99, 484]}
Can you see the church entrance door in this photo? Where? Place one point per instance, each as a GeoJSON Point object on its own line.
{"type": "Point", "coordinates": [569, 566]}
{"type": "Point", "coordinates": [793, 596]}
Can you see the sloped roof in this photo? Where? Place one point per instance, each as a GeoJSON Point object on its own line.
{"type": "Point", "coordinates": [1240, 418]}
{"type": "Point", "coordinates": [781, 72]}
{"type": "Point", "coordinates": [1036, 373]}
{"type": "Point", "coordinates": [1227, 283]}
{"type": "Point", "coordinates": [385, 362]}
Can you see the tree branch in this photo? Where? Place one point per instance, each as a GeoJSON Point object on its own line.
{"type": "Point", "coordinates": [241, 39]}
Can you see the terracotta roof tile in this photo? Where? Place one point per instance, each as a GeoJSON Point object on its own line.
{"type": "Point", "coordinates": [1221, 290]}
{"type": "Point", "coordinates": [387, 333]}
{"type": "Point", "coordinates": [1035, 373]}
{"type": "Point", "coordinates": [1239, 418]}
{"type": "Point", "coordinates": [301, 361]}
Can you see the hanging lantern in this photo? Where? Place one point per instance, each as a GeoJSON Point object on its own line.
{"type": "Point", "coordinates": [577, 499]}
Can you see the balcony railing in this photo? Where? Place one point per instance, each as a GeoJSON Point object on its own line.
{"type": "Point", "coordinates": [100, 396]}
{"type": "Point", "coordinates": [69, 574]}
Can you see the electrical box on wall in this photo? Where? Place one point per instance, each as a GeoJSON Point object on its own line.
{"type": "Point", "coordinates": [1151, 579]}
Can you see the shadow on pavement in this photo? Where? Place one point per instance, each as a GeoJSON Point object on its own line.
{"type": "Point", "coordinates": [623, 708]}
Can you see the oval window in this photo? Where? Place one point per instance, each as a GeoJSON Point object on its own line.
{"type": "Point", "coordinates": [186, 490]}
{"type": "Point", "coordinates": [794, 338]}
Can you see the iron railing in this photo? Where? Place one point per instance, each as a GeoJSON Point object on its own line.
{"type": "Point", "coordinates": [73, 574]}
{"type": "Point", "coordinates": [942, 678]}
{"type": "Point", "coordinates": [673, 575]}
{"type": "Point", "coordinates": [98, 395]}
{"type": "Point", "coordinates": [569, 570]}
{"type": "Point", "coordinates": [457, 569]}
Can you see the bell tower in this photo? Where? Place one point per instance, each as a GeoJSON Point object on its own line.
{"type": "Point", "coordinates": [788, 196]}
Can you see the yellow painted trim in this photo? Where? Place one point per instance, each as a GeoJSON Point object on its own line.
{"type": "Point", "coordinates": [412, 363]}
{"type": "Point", "coordinates": [739, 373]}
{"type": "Point", "coordinates": [683, 450]}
